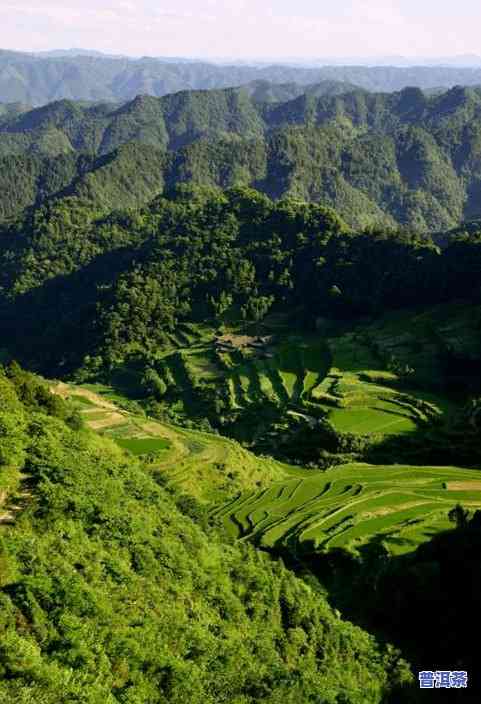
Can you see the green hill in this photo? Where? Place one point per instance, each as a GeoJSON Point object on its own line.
{"type": "Point", "coordinates": [384, 160]}
{"type": "Point", "coordinates": [109, 591]}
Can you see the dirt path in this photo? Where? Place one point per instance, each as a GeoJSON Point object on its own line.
{"type": "Point", "coordinates": [64, 390]}
{"type": "Point", "coordinates": [109, 421]}
{"type": "Point", "coordinates": [5, 516]}
{"type": "Point", "coordinates": [8, 513]}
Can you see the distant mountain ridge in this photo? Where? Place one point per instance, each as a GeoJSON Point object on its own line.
{"type": "Point", "coordinates": [37, 79]}
{"type": "Point", "coordinates": [379, 159]}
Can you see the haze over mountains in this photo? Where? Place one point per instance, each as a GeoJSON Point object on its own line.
{"type": "Point", "coordinates": [78, 75]}
{"type": "Point", "coordinates": [460, 60]}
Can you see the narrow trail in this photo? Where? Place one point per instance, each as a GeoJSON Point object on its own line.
{"type": "Point", "coordinates": [65, 391]}
{"type": "Point", "coordinates": [8, 510]}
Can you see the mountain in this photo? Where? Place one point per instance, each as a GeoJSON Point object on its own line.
{"type": "Point", "coordinates": [460, 60]}
{"type": "Point", "coordinates": [72, 53]}
{"type": "Point", "coordinates": [9, 110]}
{"type": "Point", "coordinates": [380, 159]}
{"type": "Point", "coordinates": [258, 478]}
{"type": "Point", "coordinates": [39, 79]}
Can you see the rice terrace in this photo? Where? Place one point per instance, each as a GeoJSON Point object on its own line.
{"type": "Point", "coordinates": [348, 506]}
{"type": "Point", "coordinates": [344, 382]}
{"type": "Point", "coordinates": [284, 505]}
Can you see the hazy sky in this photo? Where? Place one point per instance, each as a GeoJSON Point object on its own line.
{"type": "Point", "coordinates": [245, 28]}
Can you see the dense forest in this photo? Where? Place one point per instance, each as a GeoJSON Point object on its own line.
{"type": "Point", "coordinates": [403, 159]}
{"type": "Point", "coordinates": [240, 397]}
{"type": "Point", "coordinates": [124, 281]}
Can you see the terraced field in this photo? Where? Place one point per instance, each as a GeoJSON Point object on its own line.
{"type": "Point", "coordinates": [284, 374]}
{"type": "Point", "coordinates": [343, 378]}
{"type": "Point", "coordinates": [206, 466]}
{"type": "Point", "coordinates": [273, 503]}
{"type": "Point", "coordinates": [347, 379]}
{"type": "Point", "coordinates": [350, 505]}
{"type": "Point", "coordinates": [361, 397]}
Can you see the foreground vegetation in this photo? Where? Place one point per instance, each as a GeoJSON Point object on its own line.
{"type": "Point", "coordinates": [110, 593]}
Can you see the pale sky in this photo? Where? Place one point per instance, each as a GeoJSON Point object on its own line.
{"type": "Point", "coordinates": [245, 28]}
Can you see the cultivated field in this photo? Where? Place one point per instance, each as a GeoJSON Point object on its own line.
{"type": "Point", "coordinates": [361, 397]}
{"type": "Point", "coordinates": [353, 504]}
{"type": "Point", "coordinates": [375, 380]}
{"type": "Point", "coordinates": [358, 380]}
{"type": "Point", "coordinates": [277, 504]}
{"type": "Point", "coordinates": [208, 467]}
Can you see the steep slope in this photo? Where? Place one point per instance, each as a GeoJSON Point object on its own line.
{"type": "Point", "coordinates": [379, 159]}
{"type": "Point", "coordinates": [110, 592]}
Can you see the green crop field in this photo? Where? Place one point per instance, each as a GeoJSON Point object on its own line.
{"type": "Point", "coordinates": [358, 380]}
{"type": "Point", "coordinates": [272, 503]}
{"type": "Point", "coordinates": [370, 420]}
{"type": "Point", "coordinates": [351, 505]}
{"type": "Point", "coordinates": [360, 396]}
{"type": "Point", "coordinates": [284, 373]}
{"type": "Point", "coordinates": [143, 446]}
{"type": "Point", "coordinates": [209, 467]}
{"type": "Point", "coordinates": [348, 378]}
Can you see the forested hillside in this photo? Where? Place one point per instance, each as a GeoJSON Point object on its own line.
{"type": "Point", "coordinates": [93, 295]}
{"type": "Point", "coordinates": [204, 253]}
{"type": "Point", "coordinates": [37, 80]}
{"type": "Point", "coordinates": [402, 159]}
{"type": "Point", "coordinates": [251, 320]}
{"type": "Point", "coordinates": [110, 593]}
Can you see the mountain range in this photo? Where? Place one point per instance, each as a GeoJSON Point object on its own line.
{"type": "Point", "coordinates": [38, 79]}
{"type": "Point", "coordinates": [380, 159]}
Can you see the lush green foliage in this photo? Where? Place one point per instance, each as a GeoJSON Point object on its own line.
{"type": "Point", "coordinates": [379, 159]}
{"type": "Point", "coordinates": [110, 594]}
{"type": "Point", "coordinates": [125, 281]}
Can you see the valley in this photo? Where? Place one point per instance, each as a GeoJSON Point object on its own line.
{"type": "Point", "coordinates": [240, 387]}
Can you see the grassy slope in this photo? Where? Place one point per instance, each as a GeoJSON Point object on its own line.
{"type": "Point", "coordinates": [209, 467]}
